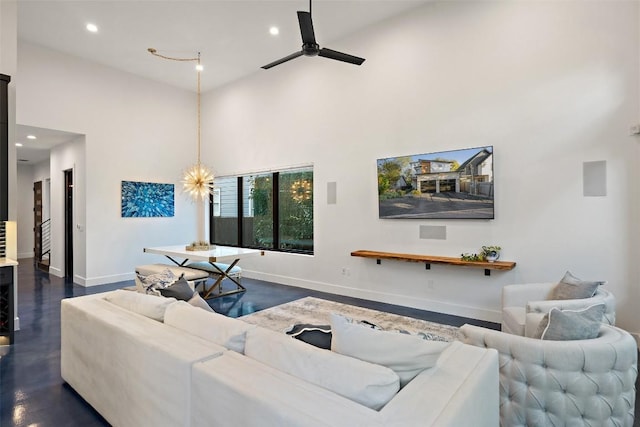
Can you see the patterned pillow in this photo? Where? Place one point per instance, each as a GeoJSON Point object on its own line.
{"type": "Point", "coordinates": [151, 283]}
{"type": "Point", "coordinates": [567, 325]}
{"type": "Point", "coordinates": [570, 287]}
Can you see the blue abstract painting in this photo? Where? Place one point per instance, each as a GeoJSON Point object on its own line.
{"type": "Point", "coordinates": [147, 199]}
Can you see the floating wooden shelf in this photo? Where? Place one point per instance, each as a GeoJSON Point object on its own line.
{"type": "Point", "coordinates": [432, 259]}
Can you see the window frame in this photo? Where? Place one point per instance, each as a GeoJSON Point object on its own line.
{"type": "Point", "coordinates": [275, 201]}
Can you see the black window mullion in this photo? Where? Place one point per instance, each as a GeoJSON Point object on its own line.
{"type": "Point", "coordinates": [276, 210]}
{"type": "Point", "coordinates": [212, 234]}
{"type": "Point", "coordinates": [240, 212]}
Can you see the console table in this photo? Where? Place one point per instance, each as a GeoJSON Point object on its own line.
{"type": "Point", "coordinates": [433, 259]}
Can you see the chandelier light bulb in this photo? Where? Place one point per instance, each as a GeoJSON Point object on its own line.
{"type": "Point", "coordinates": [197, 181]}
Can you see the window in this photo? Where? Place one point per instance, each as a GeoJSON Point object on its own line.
{"type": "Point", "coordinates": [266, 211]}
{"type": "Point", "coordinates": [225, 209]}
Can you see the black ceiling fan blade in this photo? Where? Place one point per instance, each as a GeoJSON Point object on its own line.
{"type": "Point", "coordinates": [280, 61]}
{"type": "Point", "coordinates": [306, 28]}
{"type": "Point", "coordinates": [344, 57]}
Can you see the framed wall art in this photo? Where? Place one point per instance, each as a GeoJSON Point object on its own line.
{"type": "Point", "coordinates": [147, 199]}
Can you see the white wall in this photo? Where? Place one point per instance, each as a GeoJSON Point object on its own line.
{"type": "Point", "coordinates": [64, 157]}
{"type": "Point", "coordinates": [8, 66]}
{"type": "Point", "coordinates": [134, 129]}
{"type": "Point", "coordinates": [25, 211]}
{"type": "Point", "coordinates": [546, 83]}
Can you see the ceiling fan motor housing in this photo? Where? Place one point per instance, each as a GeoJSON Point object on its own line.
{"type": "Point", "coordinates": [310, 49]}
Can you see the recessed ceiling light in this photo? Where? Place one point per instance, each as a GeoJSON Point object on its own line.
{"type": "Point", "coordinates": [274, 31]}
{"type": "Point", "coordinates": [92, 28]}
{"type": "Point", "coordinates": [18, 144]}
{"type": "Point", "coordinates": [31, 137]}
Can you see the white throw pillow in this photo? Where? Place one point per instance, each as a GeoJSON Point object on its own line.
{"type": "Point", "coordinates": [211, 326]}
{"type": "Point", "coordinates": [407, 355]}
{"type": "Point", "coordinates": [197, 301]}
{"type": "Point", "coordinates": [147, 305]}
{"type": "Point", "coordinates": [365, 383]}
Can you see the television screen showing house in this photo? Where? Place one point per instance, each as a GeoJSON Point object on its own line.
{"type": "Point", "coordinates": [448, 184]}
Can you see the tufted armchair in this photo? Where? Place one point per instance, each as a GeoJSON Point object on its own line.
{"type": "Point", "coordinates": [563, 383]}
{"type": "Point", "coordinates": [523, 306]}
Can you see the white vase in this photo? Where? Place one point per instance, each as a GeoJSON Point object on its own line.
{"type": "Point", "coordinates": [492, 256]}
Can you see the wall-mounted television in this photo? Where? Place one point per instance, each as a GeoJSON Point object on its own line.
{"type": "Point", "coordinates": [441, 185]}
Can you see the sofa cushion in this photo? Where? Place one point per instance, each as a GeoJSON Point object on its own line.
{"type": "Point", "coordinates": [180, 290]}
{"type": "Point", "coordinates": [211, 326]}
{"type": "Point", "coordinates": [368, 384]}
{"type": "Point", "coordinates": [565, 325]}
{"type": "Point", "coordinates": [571, 287]}
{"type": "Point", "coordinates": [406, 355]}
{"type": "Point", "coordinates": [147, 305]}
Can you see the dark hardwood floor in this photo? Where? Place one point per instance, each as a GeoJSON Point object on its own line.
{"type": "Point", "coordinates": [32, 393]}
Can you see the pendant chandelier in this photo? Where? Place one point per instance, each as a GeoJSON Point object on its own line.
{"type": "Point", "coordinates": [197, 179]}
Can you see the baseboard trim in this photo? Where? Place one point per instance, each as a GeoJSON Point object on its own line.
{"type": "Point", "coordinates": [102, 280]}
{"type": "Point", "coordinates": [55, 271]}
{"type": "Point", "coordinates": [402, 300]}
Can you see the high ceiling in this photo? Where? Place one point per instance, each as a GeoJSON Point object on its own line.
{"type": "Point", "coordinates": [232, 36]}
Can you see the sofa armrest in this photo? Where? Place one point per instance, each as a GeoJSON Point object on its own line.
{"type": "Point", "coordinates": [563, 382]}
{"type": "Point", "coordinates": [520, 295]}
{"type": "Point", "coordinates": [133, 370]}
{"type": "Point", "coordinates": [461, 390]}
{"type": "Point", "coordinates": [235, 390]}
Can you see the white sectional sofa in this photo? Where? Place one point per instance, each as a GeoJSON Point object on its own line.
{"type": "Point", "coordinates": [142, 360]}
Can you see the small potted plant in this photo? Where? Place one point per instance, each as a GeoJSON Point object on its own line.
{"type": "Point", "coordinates": [491, 253]}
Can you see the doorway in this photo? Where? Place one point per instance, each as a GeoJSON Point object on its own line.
{"type": "Point", "coordinates": [41, 229]}
{"type": "Point", "coordinates": [68, 224]}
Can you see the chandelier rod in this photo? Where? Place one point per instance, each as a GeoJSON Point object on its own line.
{"type": "Point", "coordinates": [154, 52]}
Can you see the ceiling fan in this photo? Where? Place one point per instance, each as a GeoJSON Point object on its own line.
{"type": "Point", "coordinates": [311, 48]}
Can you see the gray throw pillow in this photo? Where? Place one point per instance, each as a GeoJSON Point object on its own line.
{"type": "Point", "coordinates": [567, 325]}
{"type": "Point", "coordinates": [179, 290]}
{"type": "Point", "coordinates": [570, 287]}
